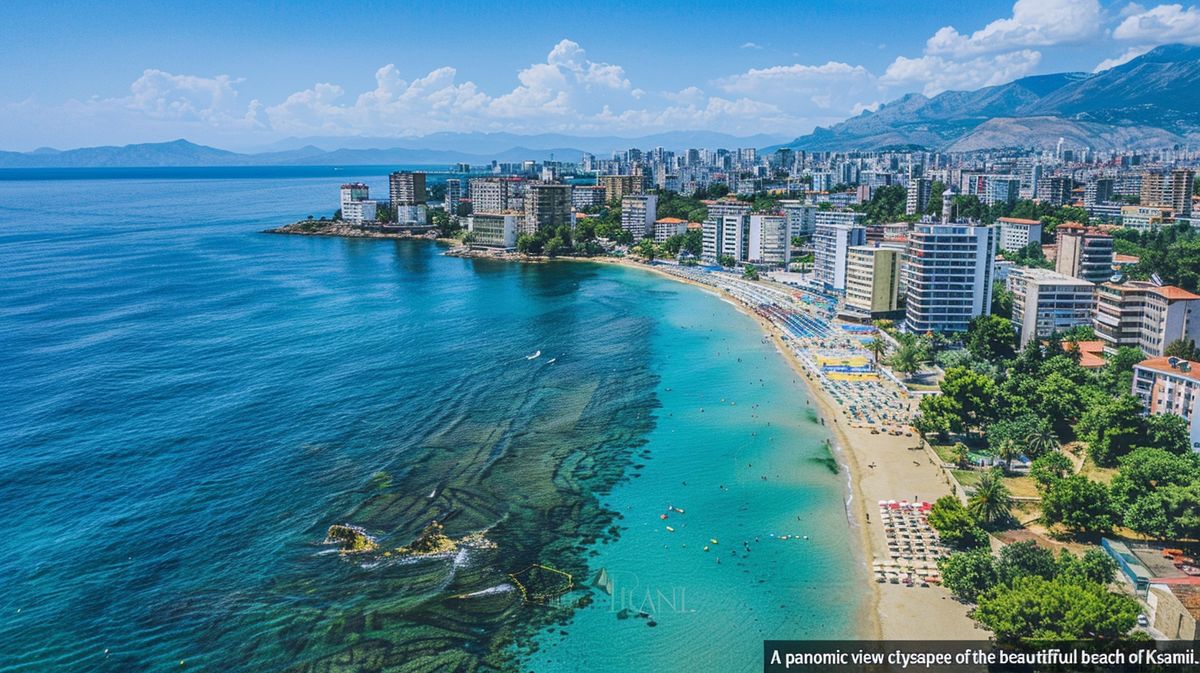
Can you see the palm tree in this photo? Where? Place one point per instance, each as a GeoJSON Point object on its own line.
{"type": "Point", "coordinates": [878, 348]}
{"type": "Point", "coordinates": [1008, 451]}
{"type": "Point", "coordinates": [907, 359]}
{"type": "Point", "coordinates": [1041, 441]}
{"type": "Point", "coordinates": [961, 454]}
{"type": "Point", "coordinates": [990, 502]}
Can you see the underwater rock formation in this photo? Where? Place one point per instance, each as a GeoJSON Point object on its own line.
{"type": "Point", "coordinates": [350, 539]}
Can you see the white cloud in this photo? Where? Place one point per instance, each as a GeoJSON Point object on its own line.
{"type": "Point", "coordinates": [938, 74]}
{"type": "Point", "coordinates": [751, 45]}
{"type": "Point", "coordinates": [1160, 25]}
{"type": "Point", "coordinates": [1130, 54]}
{"type": "Point", "coordinates": [1034, 23]}
{"type": "Point", "coordinates": [163, 95]}
{"type": "Point", "coordinates": [803, 90]}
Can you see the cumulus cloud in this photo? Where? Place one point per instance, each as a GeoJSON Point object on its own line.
{"type": "Point", "coordinates": [751, 45]}
{"type": "Point", "coordinates": [1130, 54]}
{"type": "Point", "coordinates": [825, 90]}
{"type": "Point", "coordinates": [1034, 23]}
{"type": "Point", "coordinates": [1160, 24]}
{"type": "Point", "coordinates": [937, 74]}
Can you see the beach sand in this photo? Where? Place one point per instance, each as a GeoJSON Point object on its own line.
{"type": "Point", "coordinates": [898, 612]}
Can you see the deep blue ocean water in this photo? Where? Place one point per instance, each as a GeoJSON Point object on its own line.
{"type": "Point", "coordinates": [186, 404]}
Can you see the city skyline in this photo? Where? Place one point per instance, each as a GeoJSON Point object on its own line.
{"type": "Point", "coordinates": [77, 76]}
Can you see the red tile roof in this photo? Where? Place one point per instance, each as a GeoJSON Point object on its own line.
{"type": "Point", "coordinates": [1164, 365]}
{"type": "Point", "coordinates": [1172, 293]}
{"type": "Point", "coordinates": [1091, 353]}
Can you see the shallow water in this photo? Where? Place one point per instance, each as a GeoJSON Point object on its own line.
{"type": "Point", "coordinates": [187, 404]}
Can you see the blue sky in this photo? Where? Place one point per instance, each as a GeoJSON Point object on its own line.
{"type": "Point", "coordinates": [242, 75]}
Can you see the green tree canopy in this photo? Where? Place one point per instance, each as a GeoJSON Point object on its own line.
{"type": "Point", "coordinates": [1112, 428]}
{"type": "Point", "coordinates": [955, 525]}
{"type": "Point", "coordinates": [991, 338]}
{"type": "Point", "coordinates": [1049, 468]}
{"type": "Point", "coordinates": [1034, 608]}
{"type": "Point", "coordinates": [1021, 559]}
{"type": "Point", "coordinates": [968, 574]}
{"type": "Point", "coordinates": [1079, 504]}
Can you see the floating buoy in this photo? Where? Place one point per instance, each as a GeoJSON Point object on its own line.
{"type": "Point", "coordinates": [714, 541]}
{"type": "Point", "coordinates": [670, 530]}
{"type": "Point", "coordinates": [705, 547]}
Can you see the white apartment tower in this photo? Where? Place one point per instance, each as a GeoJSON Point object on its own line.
{"type": "Point", "coordinates": [950, 272]}
{"type": "Point", "coordinates": [723, 231]}
{"type": "Point", "coordinates": [638, 212]}
{"type": "Point", "coordinates": [831, 245]}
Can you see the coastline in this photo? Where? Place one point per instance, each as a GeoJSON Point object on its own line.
{"type": "Point", "coordinates": [880, 467]}
{"type": "Point", "coordinates": [894, 611]}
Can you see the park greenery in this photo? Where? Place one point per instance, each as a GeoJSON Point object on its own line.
{"type": "Point", "coordinates": [1027, 593]}
{"type": "Point", "coordinates": [1028, 403]}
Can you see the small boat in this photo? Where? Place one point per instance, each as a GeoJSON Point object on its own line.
{"type": "Point", "coordinates": [534, 356]}
{"type": "Point", "coordinates": [663, 517]}
{"type": "Point", "coordinates": [678, 509]}
{"type": "Point", "coordinates": [670, 530]}
{"type": "Point", "coordinates": [551, 361]}
{"type": "Point", "coordinates": [713, 541]}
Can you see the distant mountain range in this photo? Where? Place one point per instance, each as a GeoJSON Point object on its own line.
{"type": "Point", "coordinates": [439, 148]}
{"type": "Point", "coordinates": [1151, 101]}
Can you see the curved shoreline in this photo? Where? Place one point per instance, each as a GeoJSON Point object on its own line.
{"type": "Point", "coordinates": [855, 515]}
{"type": "Point", "coordinates": [895, 612]}
{"type": "Point", "coordinates": [892, 611]}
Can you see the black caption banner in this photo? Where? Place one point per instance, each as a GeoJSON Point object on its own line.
{"type": "Point", "coordinates": [965, 656]}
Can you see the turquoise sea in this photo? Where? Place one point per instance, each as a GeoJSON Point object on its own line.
{"type": "Point", "coordinates": [187, 404]}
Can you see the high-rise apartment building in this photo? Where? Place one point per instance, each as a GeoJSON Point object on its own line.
{"type": "Point", "coordinates": [617, 187]}
{"type": "Point", "coordinates": [355, 203]}
{"type": "Point", "coordinates": [1017, 233]}
{"type": "Point", "coordinates": [408, 197]}
{"type": "Point", "coordinates": [496, 195]}
{"type": "Point", "coordinates": [873, 279]}
{"type": "Point", "coordinates": [1084, 252]}
{"type": "Point", "coordinates": [950, 273]}
{"type": "Point", "coordinates": [770, 240]}
{"type": "Point", "coordinates": [1169, 190]}
{"type": "Point", "coordinates": [454, 195]}
{"type": "Point", "coordinates": [638, 212]}
{"type": "Point", "coordinates": [1045, 302]}
{"type": "Point", "coordinates": [919, 192]}
{"type": "Point", "coordinates": [1171, 386]}
{"type": "Point", "coordinates": [1145, 316]}
{"type": "Point", "coordinates": [547, 207]}
{"type": "Point", "coordinates": [587, 196]}
{"type": "Point", "coordinates": [725, 230]}
{"type": "Point", "coordinates": [831, 246]}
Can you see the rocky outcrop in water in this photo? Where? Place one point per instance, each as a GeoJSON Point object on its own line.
{"type": "Point", "coordinates": [350, 539]}
{"type": "Point", "coordinates": [432, 540]}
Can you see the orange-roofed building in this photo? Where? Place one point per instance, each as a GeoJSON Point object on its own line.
{"type": "Point", "coordinates": [1170, 386]}
{"type": "Point", "coordinates": [1091, 353]}
{"type": "Point", "coordinates": [1145, 316]}
{"type": "Point", "coordinates": [666, 227]}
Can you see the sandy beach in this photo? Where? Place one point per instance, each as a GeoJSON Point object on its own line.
{"type": "Point", "coordinates": [900, 471]}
